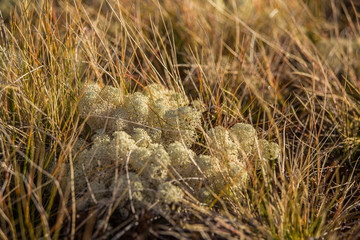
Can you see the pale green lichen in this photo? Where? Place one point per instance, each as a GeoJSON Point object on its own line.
{"type": "Point", "coordinates": [158, 93]}
{"type": "Point", "coordinates": [137, 108]}
{"type": "Point", "coordinates": [101, 149]}
{"type": "Point", "coordinates": [218, 174]}
{"type": "Point", "coordinates": [99, 104]}
{"type": "Point", "coordinates": [140, 160]}
{"type": "Point", "coordinates": [141, 193]}
{"type": "Point", "coordinates": [150, 134]}
{"type": "Point", "coordinates": [244, 136]}
{"type": "Point", "coordinates": [151, 162]}
{"type": "Point", "coordinates": [141, 137]}
{"type": "Point", "coordinates": [89, 99]}
{"type": "Point", "coordinates": [222, 144]}
{"type": "Point", "coordinates": [212, 170]}
{"type": "Point", "coordinates": [237, 172]}
{"type": "Point", "coordinates": [269, 150]}
{"type": "Point", "coordinates": [158, 108]}
{"type": "Point", "coordinates": [111, 95]}
{"type": "Point", "coordinates": [182, 159]}
{"type": "Point", "coordinates": [93, 163]}
{"type": "Point", "coordinates": [160, 160]}
{"type": "Point", "coordinates": [181, 125]}
{"type": "Point", "coordinates": [122, 144]}
{"type": "Point", "coordinates": [169, 193]}
{"type": "Point", "coordinates": [155, 134]}
{"type": "Point", "coordinates": [119, 120]}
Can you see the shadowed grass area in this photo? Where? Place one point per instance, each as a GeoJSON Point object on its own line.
{"type": "Point", "coordinates": [288, 68]}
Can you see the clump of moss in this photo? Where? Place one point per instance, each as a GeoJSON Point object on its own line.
{"type": "Point", "coordinates": [137, 108]}
{"type": "Point", "coordinates": [93, 160]}
{"type": "Point", "coordinates": [269, 150]}
{"type": "Point", "coordinates": [99, 104]}
{"type": "Point", "coordinates": [121, 145]}
{"type": "Point", "coordinates": [141, 137]}
{"type": "Point", "coordinates": [169, 193]}
{"type": "Point", "coordinates": [222, 145]}
{"type": "Point", "coordinates": [139, 188]}
{"type": "Point", "coordinates": [182, 159]}
{"type": "Point", "coordinates": [213, 172]}
{"type": "Point", "coordinates": [181, 125]}
{"type": "Point", "coordinates": [244, 136]}
{"type": "Point", "coordinates": [151, 162]}
{"type": "Point", "coordinates": [164, 98]}
{"type": "Point", "coordinates": [150, 134]}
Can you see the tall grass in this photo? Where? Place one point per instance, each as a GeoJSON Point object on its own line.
{"type": "Point", "coordinates": [290, 68]}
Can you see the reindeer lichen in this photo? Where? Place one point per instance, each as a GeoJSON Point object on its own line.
{"type": "Point", "coordinates": [150, 135]}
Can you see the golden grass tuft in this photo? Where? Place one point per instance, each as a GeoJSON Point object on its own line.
{"type": "Point", "coordinates": [288, 68]}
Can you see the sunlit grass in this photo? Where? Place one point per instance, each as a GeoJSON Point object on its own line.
{"type": "Point", "coordinates": [289, 68]}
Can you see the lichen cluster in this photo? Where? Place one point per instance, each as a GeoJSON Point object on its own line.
{"type": "Point", "coordinates": [141, 148]}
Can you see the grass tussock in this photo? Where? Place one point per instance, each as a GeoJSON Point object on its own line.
{"type": "Point", "coordinates": [288, 68]}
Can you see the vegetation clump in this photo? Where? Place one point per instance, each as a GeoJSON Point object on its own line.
{"type": "Point", "coordinates": [152, 138]}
